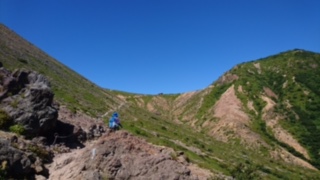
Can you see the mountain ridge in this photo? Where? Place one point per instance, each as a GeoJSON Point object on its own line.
{"type": "Point", "coordinates": [265, 103]}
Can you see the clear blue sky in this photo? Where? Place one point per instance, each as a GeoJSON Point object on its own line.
{"type": "Point", "coordinates": [168, 46]}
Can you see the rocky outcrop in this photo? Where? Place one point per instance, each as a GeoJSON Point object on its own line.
{"type": "Point", "coordinates": [120, 155]}
{"type": "Point", "coordinates": [20, 163]}
{"type": "Point", "coordinates": [227, 78]}
{"type": "Point", "coordinates": [27, 98]}
{"type": "Point", "coordinates": [83, 127]}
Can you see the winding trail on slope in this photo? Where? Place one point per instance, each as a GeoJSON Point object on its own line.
{"type": "Point", "coordinates": [112, 110]}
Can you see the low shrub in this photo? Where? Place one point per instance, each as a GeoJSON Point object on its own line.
{"type": "Point", "coordinates": [5, 120]}
{"type": "Point", "coordinates": [18, 129]}
{"type": "Point", "coordinates": [41, 152]}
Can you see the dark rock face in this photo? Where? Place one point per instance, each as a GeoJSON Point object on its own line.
{"type": "Point", "coordinates": [84, 128]}
{"type": "Point", "coordinates": [27, 98]}
{"type": "Point", "coordinates": [18, 163]}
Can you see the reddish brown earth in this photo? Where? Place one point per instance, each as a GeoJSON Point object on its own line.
{"type": "Point", "coordinates": [119, 155]}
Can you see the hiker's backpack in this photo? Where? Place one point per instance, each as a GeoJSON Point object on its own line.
{"type": "Point", "coordinates": [111, 123]}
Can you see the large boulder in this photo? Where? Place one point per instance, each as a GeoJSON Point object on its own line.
{"type": "Point", "coordinates": [27, 98]}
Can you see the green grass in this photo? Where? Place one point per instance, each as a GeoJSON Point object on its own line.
{"type": "Point", "coordinates": [18, 129]}
{"type": "Point", "coordinates": [217, 156]}
{"type": "Point", "coordinates": [299, 70]}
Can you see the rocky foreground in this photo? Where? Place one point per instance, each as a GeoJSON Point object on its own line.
{"type": "Point", "coordinates": [119, 155]}
{"type": "Point", "coordinates": [40, 139]}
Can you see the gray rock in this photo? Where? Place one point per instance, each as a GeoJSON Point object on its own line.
{"type": "Point", "coordinates": [18, 163]}
{"type": "Point", "coordinates": [40, 177]}
{"type": "Point", "coordinates": [92, 175]}
{"type": "Point", "coordinates": [27, 98]}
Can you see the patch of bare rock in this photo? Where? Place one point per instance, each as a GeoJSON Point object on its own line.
{"type": "Point", "coordinates": [119, 155]}
{"type": "Point", "coordinates": [231, 117]}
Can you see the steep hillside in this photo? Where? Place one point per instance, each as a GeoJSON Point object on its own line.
{"type": "Point", "coordinates": [69, 87]}
{"type": "Point", "coordinates": [285, 97]}
{"type": "Point", "coordinates": [251, 123]}
{"type": "Point", "coordinates": [81, 102]}
{"type": "Point", "coordinates": [270, 103]}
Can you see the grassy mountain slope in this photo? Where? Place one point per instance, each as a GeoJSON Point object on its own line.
{"type": "Point", "coordinates": [70, 88]}
{"type": "Point", "coordinates": [291, 80]}
{"type": "Point", "coordinates": [230, 158]}
{"type": "Point", "coordinates": [279, 95]}
{"type": "Point", "coordinates": [192, 122]}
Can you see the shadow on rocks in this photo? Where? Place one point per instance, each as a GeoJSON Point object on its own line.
{"type": "Point", "coordinates": [67, 135]}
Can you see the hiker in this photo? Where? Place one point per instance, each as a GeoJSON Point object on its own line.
{"type": "Point", "coordinates": [114, 122]}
